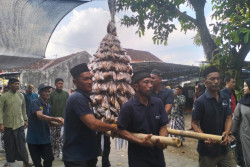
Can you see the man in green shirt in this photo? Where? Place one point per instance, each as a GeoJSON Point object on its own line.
{"type": "Point", "coordinates": [13, 121]}
{"type": "Point", "coordinates": [58, 99]}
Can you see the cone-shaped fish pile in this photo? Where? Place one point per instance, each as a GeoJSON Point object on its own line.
{"type": "Point", "coordinates": [112, 72]}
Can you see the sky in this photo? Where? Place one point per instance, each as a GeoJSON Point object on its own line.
{"type": "Point", "coordinates": [85, 27]}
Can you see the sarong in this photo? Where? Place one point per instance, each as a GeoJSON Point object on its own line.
{"type": "Point", "coordinates": [179, 124]}
{"type": "Point", "coordinates": [56, 140]}
{"type": "Point", "coordinates": [14, 142]}
{"type": "Point", "coordinates": [2, 141]}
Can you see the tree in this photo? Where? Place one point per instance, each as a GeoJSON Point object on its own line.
{"type": "Point", "coordinates": [231, 31]}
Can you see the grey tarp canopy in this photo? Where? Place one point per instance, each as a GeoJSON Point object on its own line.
{"type": "Point", "coordinates": [26, 27]}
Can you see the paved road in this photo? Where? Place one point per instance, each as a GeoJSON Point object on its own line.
{"type": "Point", "coordinates": [185, 156]}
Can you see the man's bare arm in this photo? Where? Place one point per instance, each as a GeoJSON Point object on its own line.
{"type": "Point", "coordinates": [95, 124]}
{"type": "Point", "coordinates": [168, 108]}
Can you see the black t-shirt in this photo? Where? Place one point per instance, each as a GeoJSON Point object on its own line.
{"type": "Point", "coordinates": [137, 118]}
{"type": "Point", "coordinates": [165, 94]}
{"type": "Point", "coordinates": [211, 115]}
{"type": "Point", "coordinates": [79, 141]}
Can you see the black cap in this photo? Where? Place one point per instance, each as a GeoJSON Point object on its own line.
{"type": "Point", "coordinates": [13, 80]}
{"type": "Point", "coordinates": [157, 72]}
{"type": "Point", "coordinates": [77, 70]}
{"type": "Point", "coordinates": [58, 79]}
{"type": "Point", "coordinates": [139, 75]}
{"type": "Point", "coordinates": [42, 86]}
{"type": "Point", "coordinates": [209, 70]}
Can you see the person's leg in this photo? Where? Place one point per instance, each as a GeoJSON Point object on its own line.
{"type": "Point", "coordinates": [2, 141]}
{"type": "Point", "coordinates": [10, 145]}
{"type": "Point", "coordinates": [57, 142]}
{"type": "Point", "coordinates": [53, 139]}
{"type": "Point", "coordinates": [106, 152]}
{"type": "Point", "coordinates": [205, 161]}
{"type": "Point", "coordinates": [35, 153]}
{"type": "Point", "coordinates": [75, 164]}
{"type": "Point", "coordinates": [60, 140]}
{"type": "Point", "coordinates": [47, 155]}
{"type": "Point", "coordinates": [227, 160]}
{"type": "Point", "coordinates": [20, 145]}
{"type": "Point", "coordinates": [238, 152]}
{"type": "Point", "coordinates": [92, 163]}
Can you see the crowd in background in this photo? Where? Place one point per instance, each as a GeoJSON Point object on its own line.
{"type": "Point", "coordinates": [214, 111]}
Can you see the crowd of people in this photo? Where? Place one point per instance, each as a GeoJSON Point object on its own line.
{"type": "Point", "coordinates": [61, 124]}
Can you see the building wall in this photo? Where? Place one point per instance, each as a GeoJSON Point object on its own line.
{"type": "Point", "coordinates": [49, 75]}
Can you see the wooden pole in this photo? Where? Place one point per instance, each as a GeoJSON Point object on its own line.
{"type": "Point", "coordinates": [170, 141]}
{"type": "Point", "coordinates": [195, 135]}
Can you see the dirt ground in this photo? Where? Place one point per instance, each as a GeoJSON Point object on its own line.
{"type": "Point", "coordinates": [189, 146]}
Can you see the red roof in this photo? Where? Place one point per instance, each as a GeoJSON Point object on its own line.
{"type": "Point", "coordinates": [44, 64]}
{"type": "Point", "coordinates": [141, 56]}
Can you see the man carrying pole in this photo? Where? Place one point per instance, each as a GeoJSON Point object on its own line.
{"type": "Point", "coordinates": [212, 114]}
{"type": "Point", "coordinates": [143, 114]}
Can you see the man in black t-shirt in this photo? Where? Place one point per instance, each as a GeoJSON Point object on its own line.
{"type": "Point", "coordinates": [80, 146]}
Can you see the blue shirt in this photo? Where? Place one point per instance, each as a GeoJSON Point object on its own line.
{"type": "Point", "coordinates": [165, 94]}
{"type": "Point", "coordinates": [138, 118]}
{"type": "Point", "coordinates": [29, 97]}
{"type": "Point", "coordinates": [38, 130]}
{"type": "Point", "coordinates": [79, 141]}
{"type": "Point", "coordinates": [227, 93]}
{"type": "Point", "coordinates": [211, 115]}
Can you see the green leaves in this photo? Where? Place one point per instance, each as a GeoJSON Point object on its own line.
{"type": "Point", "coordinates": [154, 14]}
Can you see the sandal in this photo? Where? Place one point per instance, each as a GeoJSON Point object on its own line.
{"type": "Point", "coordinates": [6, 164]}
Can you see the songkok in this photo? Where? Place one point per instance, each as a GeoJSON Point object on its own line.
{"type": "Point", "coordinates": [209, 70]}
{"type": "Point", "coordinates": [247, 82]}
{"type": "Point", "coordinates": [157, 72]}
{"type": "Point", "coordinates": [139, 75]}
{"type": "Point", "coordinates": [58, 79]}
{"type": "Point", "coordinates": [42, 86]}
{"type": "Point", "coordinates": [77, 70]}
{"type": "Point", "coordinates": [13, 80]}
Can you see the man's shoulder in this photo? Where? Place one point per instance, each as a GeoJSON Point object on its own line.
{"type": "Point", "coordinates": [35, 101]}
{"type": "Point", "coordinates": [52, 93]}
{"type": "Point", "coordinates": [201, 99]}
{"type": "Point", "coordinates": [34, 94]}
{"type": "Point", "coordinates": [20, 94]}
{"type": "Point", "coordinates": [128, 103]}
{"type": "Point", "coordinates": [77, 96]}
{"type": "Point", "coordinates": [155, 100]}
{"type": "Point", "coordinates": [65, 92]}
{"type": "Point", "coordinates": [166, 89]}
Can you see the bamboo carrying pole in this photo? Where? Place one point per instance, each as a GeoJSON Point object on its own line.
{"type": "Point", "coordinates": [170, 141]}
{"type": "Point", "coordinates": [195, 135]}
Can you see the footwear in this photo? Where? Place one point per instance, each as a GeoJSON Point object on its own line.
{"type": "Point", "coordinates": [6, 164]}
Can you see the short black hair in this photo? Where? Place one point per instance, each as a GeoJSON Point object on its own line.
{"type": "Point", "coordinates": [208, 70]}
{"type": "Point", "coordinates": [156, 72]}
{"type": "Point", "coordinates": [179, 87]}
{"type": "Point", "coordinates": [228, 78]}
{"type": "Point", "coordinates": [58, 79]}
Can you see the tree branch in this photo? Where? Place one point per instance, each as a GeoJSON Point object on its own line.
{"type": "Point", "coordinates": [172, 7]}
{"type": "Point", "coordinates": [185, 16]}
{"type": "Point", "coordinates": [244, 50]}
